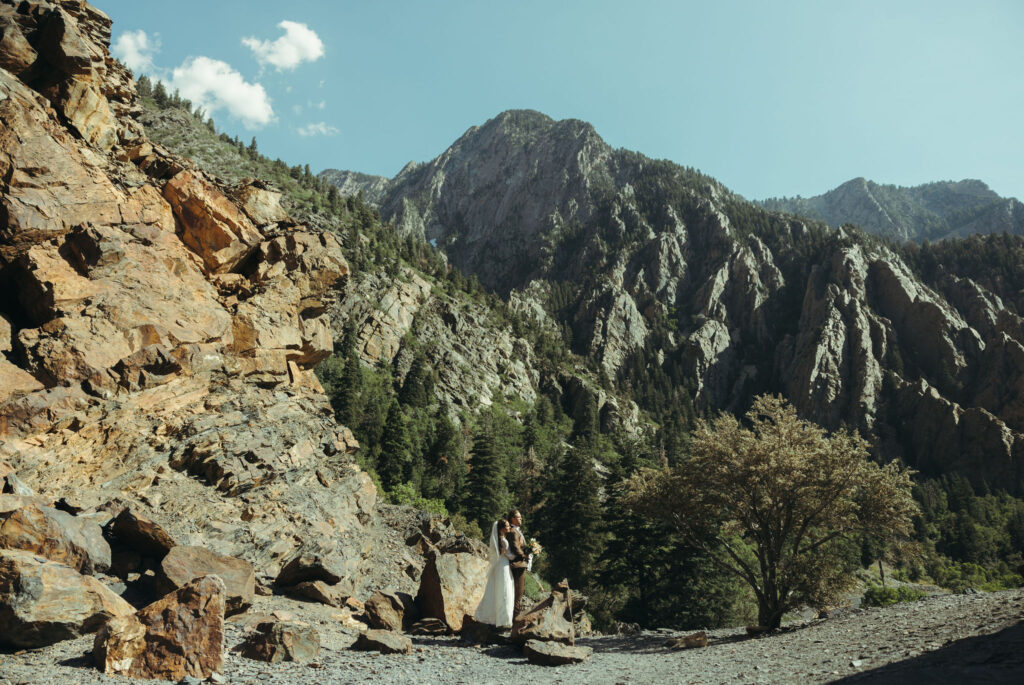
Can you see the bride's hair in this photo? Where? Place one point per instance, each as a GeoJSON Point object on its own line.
{"type": "Point", "coordinates": [503, 524]}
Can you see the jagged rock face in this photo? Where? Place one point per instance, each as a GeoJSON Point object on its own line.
{"type": "Point", "coordinates": [475, 361]}
{"type": "Point", "coordinates": [933, 211]}
{"type": "Point", "coordinates": [728, 299]}
{"type": "Point", "coordinates": [159, 329]}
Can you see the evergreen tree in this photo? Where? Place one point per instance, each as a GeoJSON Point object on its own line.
{"type": "Point", "coordinates": [394, 465]}
{"type": "Point", "coordinates": [253, 148]}
{"type": "Point", "coordinates": [418, 388]}
{"type": "Point", "coordinates": [571, 519]}
{"type": "Point", "coordinates": [144, 87]}
{"type": "Point", "coordinates": [160, 95]}
{"type": "Point", "coordinates": [446, 468]}
{"type": "Point", "coordinates": [486, 492]}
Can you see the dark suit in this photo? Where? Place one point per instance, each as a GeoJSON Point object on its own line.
{"type": "Point", "coordinates": [517, 564]}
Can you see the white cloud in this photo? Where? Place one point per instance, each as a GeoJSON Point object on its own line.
{"type": "Point", "coordinates": [320, 128]}
{"type": "Point", "coordinates": [136, 50]}
{"type": "Point", "coordinates": [298, 44]}
{"type": "Point", "coordinates": [212, 85]}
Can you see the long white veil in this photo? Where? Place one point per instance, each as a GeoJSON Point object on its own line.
{"type": "Point", "coordinates": [495, 551]}
{"type": "Point", "coordinates": [492, 609]}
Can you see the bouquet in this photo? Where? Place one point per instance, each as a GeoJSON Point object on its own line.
{"type": "Point", "coordinates": [535, 550]}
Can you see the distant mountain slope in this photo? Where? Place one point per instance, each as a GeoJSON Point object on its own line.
{"type": "Point", "coordinates": [932, 211]}
{"type": "Point", "coordinates": [695, 300]}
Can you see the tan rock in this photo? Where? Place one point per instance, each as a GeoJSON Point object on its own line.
{"type": "Point", "coordinates": [177, 636]}
{"type": "Point", "coordinates": [15, 381]}
{"type": "Point", "coordinates": [210, 223]}
{"type": "Point", "coordinates": [183, 564]}
{"type": "Point", "coordinates": [451, 587]}
{"type": "Point", "coordinates": [16, 55]}
{"type": "Point", "coordinates": [260, 202]}
{"type": "Point", "coordinates": [43, 602]}
{"type": "Point", "coordinates": [57, 536]}
{"type": "Point", "coordinates": [86, 109]}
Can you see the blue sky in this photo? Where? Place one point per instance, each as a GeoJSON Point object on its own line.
{"type": "Point", "coordinates": [771, 98]}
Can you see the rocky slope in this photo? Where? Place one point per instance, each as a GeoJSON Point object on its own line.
{"type": "Point", "coordinates": [933, 211]}
{"type": "Point", "coordinates": [159, 327]}
{"type": "Point", "coordinates": [675, 282]}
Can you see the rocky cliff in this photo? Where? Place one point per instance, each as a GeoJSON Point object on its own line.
{"type": "Point", "coordinates": [933, 211]}
{"type": "Point", "coordinates": [686, 293]}
{"type": "Point", "coordinates": [159, 327]}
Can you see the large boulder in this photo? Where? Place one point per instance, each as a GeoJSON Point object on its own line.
{"type": "Point", "coordinates": [141, 535]}
{"type": "Point", "coordinates": [184, 564]}
{"type": "Point", "coordinates": [546, 620]}
{"type": "Point", "coordinates": [276, 641]}
{"type": "Point", "coordinates": [177, 636]}
{"type": "Point", "coordinates": [383, 641]}
{"type": "Point", "coordinates": [390, 611]}
{"type": "Point", "coordinates": [43, 602]}
{"type": "Point", "coordinates": [451, 587]}
{"type": "Point", "coordinates": [308, 567]}
{"type": "Point", "coordinates": [56, 535]}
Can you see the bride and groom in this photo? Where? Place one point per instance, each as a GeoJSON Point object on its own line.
{"type": "Point", "coordinates": [506, 577]}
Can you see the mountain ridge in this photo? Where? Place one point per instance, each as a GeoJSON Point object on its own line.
{"type": "Point", "coordinates": [672, 276]}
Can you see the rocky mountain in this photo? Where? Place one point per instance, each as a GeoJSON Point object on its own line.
{"type": "Point", "coordinates": [933, 211]}
{"type": "Point", "coordinates": [353, 182]}
{"type": "Point", "coordinates": [694, 299]}
{"type": "Point", "coordinates": [159, 327]}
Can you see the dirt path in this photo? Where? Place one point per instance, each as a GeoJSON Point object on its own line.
{"type": "Point", "coordinates": [949, 639]}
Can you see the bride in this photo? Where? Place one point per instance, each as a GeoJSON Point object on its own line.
{"type": "Point", "coordinates": [496, 606]}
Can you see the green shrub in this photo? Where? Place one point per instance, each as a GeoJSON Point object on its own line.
{"type": "Point", "coordinates": [407, 494]}
{"type": "Point", "coordinates": [878, 596]}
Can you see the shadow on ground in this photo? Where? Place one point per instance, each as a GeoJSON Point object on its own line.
{"type": "Point", "coordinates": [995, 658]}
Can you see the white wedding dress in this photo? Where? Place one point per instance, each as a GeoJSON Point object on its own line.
{"type": "Point", "coordinates": [496, 607]}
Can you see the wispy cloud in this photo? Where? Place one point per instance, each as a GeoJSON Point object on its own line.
{"type": "Point", "coordinates": [212, 85]}
{"type": "Point", "coordinates": [136, 49]}
{"type": "Point", "coordinates": [298, 44]}
{"type": "Point", "coordinates": [320, 128]}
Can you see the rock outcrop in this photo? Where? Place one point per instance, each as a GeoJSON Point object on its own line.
{"type": "Point", "coordinates": [159, 327]}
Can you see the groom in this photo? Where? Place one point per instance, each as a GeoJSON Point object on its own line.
{"type": "Point", "coordinates": [518, 562]}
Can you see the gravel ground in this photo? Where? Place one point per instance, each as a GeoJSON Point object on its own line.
{"type": "Point", "coordinates": [948, 639]}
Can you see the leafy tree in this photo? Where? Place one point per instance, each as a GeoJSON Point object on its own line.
{"type": "Point", "coordinates": [777, 504]}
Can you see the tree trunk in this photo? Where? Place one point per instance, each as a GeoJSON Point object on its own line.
{"type": "Point", "coordinates": [881, 572]}
{"type": "Point", "coordinates": [769, 615]}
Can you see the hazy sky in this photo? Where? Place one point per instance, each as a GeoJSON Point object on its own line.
{"type": "Point", "coordinates": [771, 98]}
